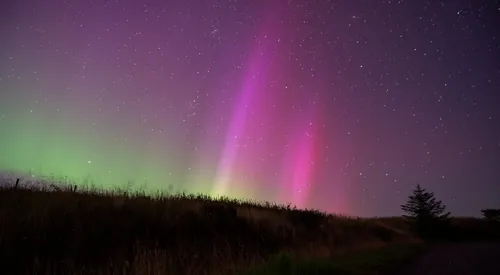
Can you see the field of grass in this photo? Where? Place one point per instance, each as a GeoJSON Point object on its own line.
{"type": "Point", "coordinates": [385, 260]}
{"type": "Point", "coordinates": [66, 231]}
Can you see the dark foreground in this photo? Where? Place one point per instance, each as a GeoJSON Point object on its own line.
{"type": "Point", "coordinates": [458, 259]}
{"type": "Point", "coordinates": [90, 231]}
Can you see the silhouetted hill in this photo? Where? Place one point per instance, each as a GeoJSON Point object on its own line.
{"type": "Point", "coordinates": [50, 229]}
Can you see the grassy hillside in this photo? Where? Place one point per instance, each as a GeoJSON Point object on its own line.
{"type": "Point", "coordinates": [389, 259]}
{"type": "Point", "coordinates": [97, 232]}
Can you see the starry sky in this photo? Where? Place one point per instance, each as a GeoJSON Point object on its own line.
{"type": "Point", "coordinates": [338, 105]}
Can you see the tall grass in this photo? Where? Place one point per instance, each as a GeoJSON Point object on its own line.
{"type": "Point", "coordinates": [90, 231]}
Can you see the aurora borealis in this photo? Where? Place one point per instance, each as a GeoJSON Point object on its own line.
{"type": "Point", "coordinates": [338, 105]}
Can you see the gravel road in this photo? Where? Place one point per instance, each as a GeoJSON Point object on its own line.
{"type": "Point", "coordinates": [458, 259]}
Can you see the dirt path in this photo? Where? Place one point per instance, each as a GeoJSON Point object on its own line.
{"type": "Point", "coordinates": [458, 259]}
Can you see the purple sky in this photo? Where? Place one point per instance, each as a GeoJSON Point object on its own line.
{"type": "Point", "coordinates": [339, 105]}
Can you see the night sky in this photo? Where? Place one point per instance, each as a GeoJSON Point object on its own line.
{"type": "Point", "coordinates": [338, 105]}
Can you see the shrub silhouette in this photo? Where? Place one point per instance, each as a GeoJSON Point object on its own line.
{"type": "Point", "coordinates": [491, 214]}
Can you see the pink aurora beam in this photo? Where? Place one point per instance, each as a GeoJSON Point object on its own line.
{"type": "Point", "coordinates": [249, 99]}
{"type": "Point", "coordinates": [299, 168]}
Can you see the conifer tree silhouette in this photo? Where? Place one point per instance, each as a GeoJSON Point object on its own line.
{"type": "Point", "coordinates": [425, 212]}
